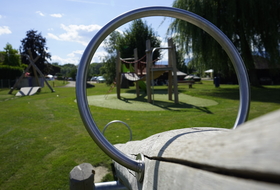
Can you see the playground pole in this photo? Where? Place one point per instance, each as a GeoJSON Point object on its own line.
{"type": "Point", "coordinates": [174, 69]}
{"type": "Point", "coordinates": [34, 70]}
{"type": "Point", "coordinates": [118, 75]}
{"type": "Point", "coordinates": [148, 69]}
{"type": "Point", "coordinates": [169, 73]}
{"type": "Point", "coordinates": [136, 71]}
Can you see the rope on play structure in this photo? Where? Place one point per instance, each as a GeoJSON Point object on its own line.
{"type": "Point", "coordinates": [133, 61]}
{"type": "Point", "coordinates": [137, 61]}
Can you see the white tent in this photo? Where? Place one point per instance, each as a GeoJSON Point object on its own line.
{"type": "Point", "coordinates": [209, 71]}
{"type": "Point", "coordinates": [180, 73]}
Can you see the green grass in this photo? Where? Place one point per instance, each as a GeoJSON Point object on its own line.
{"type": "Point", "coordinates": [42, 137]}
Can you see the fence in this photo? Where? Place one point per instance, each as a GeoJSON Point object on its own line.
{"type": "Point", "coordinates": [6, 83]}
{"type": "Point", "coordinates": [25, 82]}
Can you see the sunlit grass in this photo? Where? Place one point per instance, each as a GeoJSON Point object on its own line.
{"type": "Point", "coordinates": [42, 136]}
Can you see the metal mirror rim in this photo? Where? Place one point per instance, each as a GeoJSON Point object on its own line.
{"type": "Point", "coordinates": [216, 33]}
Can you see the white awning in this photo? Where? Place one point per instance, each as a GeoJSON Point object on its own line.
{"type": "Point", "coordinates": [209, 71]}
{"type": "Point", "coordinates": [180, 73]}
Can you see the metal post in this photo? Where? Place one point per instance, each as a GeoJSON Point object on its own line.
{"type": "Point", "coordinates": [82, 177]}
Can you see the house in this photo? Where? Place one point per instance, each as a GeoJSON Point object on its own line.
{"type": "Point", "coordinates": [266, 73]}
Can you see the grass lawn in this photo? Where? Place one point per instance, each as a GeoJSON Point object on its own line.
{"type": "Point", "coordinates": [42, 136]}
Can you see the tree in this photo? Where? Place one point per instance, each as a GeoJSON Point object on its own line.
{"type": "Point", "coordinates": [10, 64]}
{"type": "Point", "coordinates": [252, 25]}
{"type": "Point", "coordinates": [55, 64]}
{"type": "Point", "coordinates": [94, 69]}
{"type": "Point", "coordinates": [73, 73]}
{"type": "Point", "coordinates": [109, 61]}
{"type": "Point", "coordinates": [37, 45]}
{"type": "Point", "coordinates": [68, 69]}
{"type": "Point", "coordinates": [109, 69]}
{"type": "Point", "coordinates": [133, 37]}
{"type": "Point", "coordinates": [11, 56]}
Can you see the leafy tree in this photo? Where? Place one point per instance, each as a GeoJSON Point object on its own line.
{"type": "Point", "coordinates": [109, 61]}
{"type": "Point", "coordinates": [252, 25]}
{"type": "Point", "coordinates": [94, 69]}
{"type": "Point", "coordinates": [37, 45]}
{"type": "Point", "coordinates": [10, 65]}
{"type": "Point", "coordinates": [11, 56]}
{"type": "Point", "coordinates": [133, 37]}
{"type": "Point", "coordinates": [180, 61]}
{"type": "Point", "coordinates": [68, 69]}
{"type": "Point", "coordinates": [73, 73]}
{"type": "Point", "coordinates": [109, 69]}
{"type": "Point", "coordinates": [55, 64]}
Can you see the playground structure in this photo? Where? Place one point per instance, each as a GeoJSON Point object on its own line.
{"type": "Point", "coordinates": [30, 90]}
{"type": "Point", "coordinates": [134, 72]}
{"type": "Point", "coordinates": [246, 157]}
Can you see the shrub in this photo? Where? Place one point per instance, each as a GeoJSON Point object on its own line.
{"type": "Point", "coordinates": [10, 72]}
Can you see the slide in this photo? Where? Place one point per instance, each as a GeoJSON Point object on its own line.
{"type": "Point", "coordinates": [142, 85]}
{"type": "Point", "coordinates": [133, 77]}
{"type": "Point", "coordinates": [126, 70]}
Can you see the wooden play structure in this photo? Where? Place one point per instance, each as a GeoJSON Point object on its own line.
{"type": "Point", "coordinates": [30, 90]}
{"type": "Point", "coordinates": [134, 71]}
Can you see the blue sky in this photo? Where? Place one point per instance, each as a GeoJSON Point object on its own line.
{"type": "Point", "coordinates": [68, 25]}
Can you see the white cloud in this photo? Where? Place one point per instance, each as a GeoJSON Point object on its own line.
{"type": "Point", "coordinates": [99, 56]}
{"type": "Point", "coordinates": [76, 33]}
{"type": "Point", "coordinates": [74, 53]}
{"type": "Point", "coordinates": [1, 16]}
{"type": "Point", "coordinates": [90, 2]}
{"type": "Point", "coordinates": [40, 13]}
{"type": "Point", "coordinates": [56, 15]}
{"type": "Point", "coordinates": [62, 61]}
{"type": "Point", "coordinates": [5, 30]}
{"type": "Point", "coordinates": [75, 56]}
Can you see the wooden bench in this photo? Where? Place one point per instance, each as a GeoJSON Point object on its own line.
{"type": "Point", "coordinates": [190, 82]}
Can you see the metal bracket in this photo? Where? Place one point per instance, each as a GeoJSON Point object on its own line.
{"type": "Point", "coordinates": [140, 174]}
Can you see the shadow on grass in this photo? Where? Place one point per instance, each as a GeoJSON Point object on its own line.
{"type": "Point", "coordinates": [170, 106]}
{"type": "Point", "coordinates": [263, 94]}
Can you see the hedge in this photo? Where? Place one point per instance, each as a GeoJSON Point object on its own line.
{"type": "Point", "coordinates": [10, 72]}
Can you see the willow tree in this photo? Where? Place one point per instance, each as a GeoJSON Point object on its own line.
{"type": "Point", "coordinates": [252, 25]}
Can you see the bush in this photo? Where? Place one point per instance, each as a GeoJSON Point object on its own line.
{"type": "Point", "coordinates": [10, 72]}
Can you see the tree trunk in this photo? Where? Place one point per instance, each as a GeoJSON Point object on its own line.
{"type": "Point", "coordinates": [253, 77]}
{"type": "Point", "coordinates": [246, 51]}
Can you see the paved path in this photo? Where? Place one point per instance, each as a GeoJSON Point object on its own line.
{"type": "Point", "coordinates": [71, 84]}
